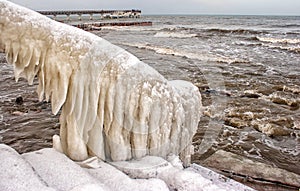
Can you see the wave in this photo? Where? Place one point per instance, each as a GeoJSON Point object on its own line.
{"type": "Point", "coordinates": [233, 31]}
{"type": "Point", "coordinates": [293, 32]}
{"type": "Point", "coordinates": [291, 45]}
{"type": "Point", "coordinates": [186, 54]}
{"type": "Point", "coordinates": [178, 28]}
{"type": "Point", "coordinates": [211, 30]}
{"type": "Point", "coordinates": [278, 40]}
{"type": "Point", "coordinates": [249, 42]}
{"type": "Point", "coordinates": [287, 26]}
{"type": "Point", "coordinates": [294, 49]}
{"type": "Point", "coordinates": [175, 35]}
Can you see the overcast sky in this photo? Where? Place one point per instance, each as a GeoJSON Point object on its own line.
{"type": "Point", "coordinates": [241, 7]}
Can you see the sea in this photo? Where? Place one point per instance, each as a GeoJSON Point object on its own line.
{"type": "Point", "coordinates": [247, 69]}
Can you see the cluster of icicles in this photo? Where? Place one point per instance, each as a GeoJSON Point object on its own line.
{"type": "Point", "coordinates": [112, 105]}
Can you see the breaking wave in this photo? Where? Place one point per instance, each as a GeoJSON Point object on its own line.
{"type": "Point", "coordinates": [287, 26]}
{"type": "Point", "coordinates": [286, 44]}
{"type": "Point", "coordinates": [295, 49]}
{"type": "Point", "coordinates": [186, 54]}
{"type": "Point", "coordinates": [174, 35]}
{"type": "Point", "coordinates": [233, 31]}
{"type": "Point", "coordinates": [278, 40]}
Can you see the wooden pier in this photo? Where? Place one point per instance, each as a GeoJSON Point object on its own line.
{"type": "Point", "coordinates": [133, 13]}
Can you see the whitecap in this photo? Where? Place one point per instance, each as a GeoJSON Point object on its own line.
{"type": "Point", "coordinates": [279, 40]}
{"type": "Point", "coordinates": [175, 35]}
{"type": "Point", "coordinates": [187, 54]}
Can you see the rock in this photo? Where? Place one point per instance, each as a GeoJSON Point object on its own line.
{"type": "Point", "coordinates": [19, 100]}
{"type": "Point", "coordinates": [18, 113]}
{"type": "Point", "coordinates": [230, 162]}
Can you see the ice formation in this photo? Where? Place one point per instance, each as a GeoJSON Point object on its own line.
{"type": "Point", "coordinates": [113, 105]}
{"type": "Point", "coordinates": [49, 170]}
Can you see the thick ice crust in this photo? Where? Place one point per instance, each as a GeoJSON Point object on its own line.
{"type": "Point", "coordinates": [113, 105]}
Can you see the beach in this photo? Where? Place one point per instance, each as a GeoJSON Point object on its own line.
{"type": "Point", "coordinates": [246, 68]}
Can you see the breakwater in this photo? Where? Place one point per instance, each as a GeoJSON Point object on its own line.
{"type": "Point", "coordinates": [95, 18]}
{"type": "Point", "coordinates": [98, 25]}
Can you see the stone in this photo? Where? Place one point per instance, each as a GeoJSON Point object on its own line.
{"type": "Point", "coordinates": [230, 162]}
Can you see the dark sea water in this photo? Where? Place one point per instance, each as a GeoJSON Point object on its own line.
{"type": "Point", "coordinates": [247, 69]}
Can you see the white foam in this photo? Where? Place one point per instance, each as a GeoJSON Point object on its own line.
{"type": "Point", "coordinates": [131, 28]}
{"type": "Point", "coordinates": [279, 40]}
{"type": "Point", "coordinates": [287, 48]}
{"type": "Point", "coordinates": [185, 53]}
{"type": "Point", "coordinates": [174, 35]}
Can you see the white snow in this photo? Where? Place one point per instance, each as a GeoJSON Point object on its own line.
{"type": "Point", "coordinates": [49, 170]}
{"type": "Point", "coordinates": [60, 172]}
{"type": "Point", "coordinates": [117, 180]}
{"type": "Point", "coordinates": [17, 174]}
{"type": "Point", "coordinates": [174, 176]}
{"type": "Point", "coordinates": [113, 105]}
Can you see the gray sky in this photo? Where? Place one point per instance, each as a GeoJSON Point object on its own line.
{"type": "Point", "coordinates": [248, 7]}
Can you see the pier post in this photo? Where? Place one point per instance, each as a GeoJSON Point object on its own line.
{"type": "Point", "coordinates": [91, 16]}
{"type": "Point", "coordinates": [79, 16]}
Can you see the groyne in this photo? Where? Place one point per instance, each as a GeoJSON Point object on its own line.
{"type": "Point", "coordinates": [97, 18]}
{"type": "Point", "coordinates": [98, 25]}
